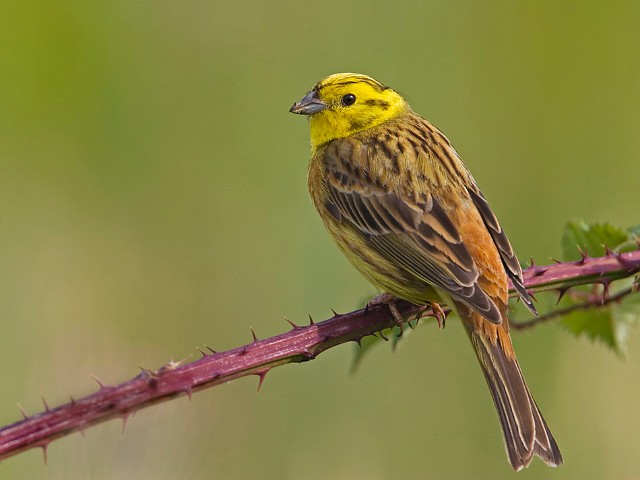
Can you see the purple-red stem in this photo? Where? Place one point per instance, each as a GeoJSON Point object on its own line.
{"type": "Point", "coordinates": [299, 344]}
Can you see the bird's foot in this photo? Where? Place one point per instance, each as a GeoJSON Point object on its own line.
{"type": "Point", "coordinates": [439, 314]}
{"type": "Point", "coordinates": [390, 301]}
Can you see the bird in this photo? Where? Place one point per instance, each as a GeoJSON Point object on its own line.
{"type": "Point", "coordinates": [406, 212]}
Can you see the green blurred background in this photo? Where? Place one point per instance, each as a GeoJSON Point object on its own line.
{"type": "Point", "coordinates": [153, 198]}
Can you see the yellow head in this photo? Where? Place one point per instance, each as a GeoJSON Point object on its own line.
{"type": "Point", "coordinates": [346, 103]}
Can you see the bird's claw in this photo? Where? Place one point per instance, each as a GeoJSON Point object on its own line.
{"type": "Point", "coordinates": [390, 301]}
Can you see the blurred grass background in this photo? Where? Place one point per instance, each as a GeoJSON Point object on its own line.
{"type": "Point", "coordinates": [153, 198]}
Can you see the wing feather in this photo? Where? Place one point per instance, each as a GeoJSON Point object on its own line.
{"type": "Point", "coordinates": [507, 255]}
{"type": "Point", "coordinates": [422, 240]}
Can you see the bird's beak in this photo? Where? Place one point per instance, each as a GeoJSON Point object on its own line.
{"type": "Point", "coordinates": [309, 105]}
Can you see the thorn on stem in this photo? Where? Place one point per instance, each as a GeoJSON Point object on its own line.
{"type": "Point", "coordinates": [98, 381]}
{"type": "Point", "coordinates": [605, 291]}
{"type": "Point", "coordinates": [584, 254]}
{"type": "Point", "coordinates": [188, 392]}
{"type": "Point", "coordinates": [44, 447]}
{"type": "Point", "coordinates": [213, 352]}
{"type": "Point", "coordinates": [44, 402]}
{"type": "Point", "coordinates": [150, 376]}
{"type": "Point", "coordinates": [204, 354]}
{"type": "Point", "coordinates": [253, 334]}
{"type": "Point", "coordinates": [22, 411]}
{"type": "Point", "coordinates": [311, 322]}
{"type": "Point", "coordinates": [124, 417]}
{"type": "Point", "coordinates": [561, 292]}
{"type": "Point", "coordinates": [261, 375]}
{"type": "Point", "coordinates": [293, 325]}
{"type": "Point", "coordinates": [308, 354]}
{"type": "Point", "coordinates": [539, 271]}
{"type": "Point", "coordinates": [335, 314]}
{"type": "Point", "coordinates": [172, 365]}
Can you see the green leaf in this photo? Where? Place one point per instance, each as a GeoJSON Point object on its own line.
{"type": "Point", "coordinates": [626, 316]}
{"type": "Point", "coordinates": [592, 237]}
{"type": "Point", "coordinates": [635, 231]}
{"type": "Point", "coordinates": [596, 324]}
{"type": "Point", "coordinates": [610, 325]}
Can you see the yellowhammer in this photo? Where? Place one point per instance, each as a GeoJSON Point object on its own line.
{"type": "Point", "coordinates": [401, 205]}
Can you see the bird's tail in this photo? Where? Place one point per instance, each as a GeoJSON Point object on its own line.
{"type": "Point", "coordinates": [525, 432]}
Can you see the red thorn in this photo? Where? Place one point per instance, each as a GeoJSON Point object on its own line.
{"type": "Point", "coordinates": [261, 374]}
{"type": "Point", "coordinates": [539, 271]}
{"type": "Point", "coordinates": [531, 262]}
{"type": "Point", "coordinates": [125, 418]}
{"type": "Point", "coordinates": [293, 325]}
{"type": "Point", "coordinates": [555, 261]}
{"type": "Point", "coordinates": [213, 352]}
{"type": "Point", "coordinates": [308, 354]}
{"type": "Point", "coordinates": [22, 411]}
{"type": "Point", "coordinates": [150, 376]}
{"type": "Point", "coordinates": [561, 292]}
{"type": "Point", "coordinates": [80, 429]}
{"type": "Point", "coordinates": [358, 341]}
{"type": "Point", "coordinates": [335, 314]}
{"type": "Point", "coordinates": [584, 254]}
{"type": "Point", "coordinates": [148, 373]}
{"type": "Point", "coordinates": [605, 290]}
{"type": "Point", "coordinates": [98, 381]}
{"type": "Point", "coordinates": [72, 400]}
{"type": "Point", "coordinates": [188, 392]}
{"type": "Point", "coordinates": [44, 447]}
{"type": "Point", "coordinates": [202, 352]}
{"type": "Point", "coordinates": [172, 365]}
{"type": "Point", "coordinates": [255, 338]}
{"type": "Point", "coordinates": [311, 322]}
{"type": "Point", "coordinates": [607, 251]}
{"type": "Point", "coordinates": [44, 402]}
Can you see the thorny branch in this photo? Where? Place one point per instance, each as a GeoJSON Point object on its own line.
{"type": "Point", "coordinates": [594, 302]}
{"type": "Point", "coordinates": [300, 344]}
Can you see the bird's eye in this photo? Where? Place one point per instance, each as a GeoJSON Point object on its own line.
{"type": "Point", "coordinates": [349, 99]}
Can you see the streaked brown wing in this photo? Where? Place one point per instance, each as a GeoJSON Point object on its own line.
{"type": "Point", "coordinates": [509, 259]}
{"type": "Point", "coordinates": [419, 238]}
